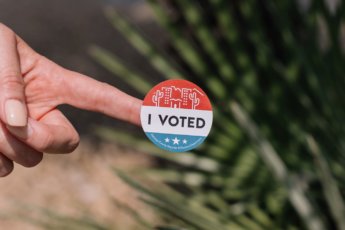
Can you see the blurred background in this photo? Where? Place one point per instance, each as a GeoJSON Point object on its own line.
{"type": "Point", "coordinates": [274, 71]}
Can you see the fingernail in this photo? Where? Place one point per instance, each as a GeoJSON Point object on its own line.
{"type": "Point", "coordinates": [16, 114]}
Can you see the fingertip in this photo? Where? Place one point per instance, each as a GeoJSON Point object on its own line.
{"type": "Point", "coordinates": [72, 143]}
{"type": "Point", "coordinates": [134, 112]}
{"type": "Point", "coordinates": [52, 134]}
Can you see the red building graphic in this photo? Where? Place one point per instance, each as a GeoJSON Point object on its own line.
{"type": "Point", "coordinates": [174, 97]}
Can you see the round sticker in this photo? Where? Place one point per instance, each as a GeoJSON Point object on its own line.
{"type": "Point", "coordinates": [176, 115]}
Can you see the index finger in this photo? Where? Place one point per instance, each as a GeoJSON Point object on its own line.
{"type": "Point", "coordinates": [86, 93]}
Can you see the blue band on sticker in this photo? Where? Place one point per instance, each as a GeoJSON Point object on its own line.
{"type": "Point", "coordinates": [174, 142]}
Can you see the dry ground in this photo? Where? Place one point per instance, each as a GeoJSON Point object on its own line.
{"type": "Point", "coordinates": [75, 184]}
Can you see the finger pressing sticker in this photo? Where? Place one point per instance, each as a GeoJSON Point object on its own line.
{"type": "Point", "coordinates": [176, 115]}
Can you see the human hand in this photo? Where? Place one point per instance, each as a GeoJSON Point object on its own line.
{"type": "Point", "coordinates": [31, 87]}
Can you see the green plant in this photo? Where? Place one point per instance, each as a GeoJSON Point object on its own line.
{"type": "Point", "coordinates": [275, 73]}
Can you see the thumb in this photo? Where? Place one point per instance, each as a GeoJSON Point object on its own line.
{"type": "Point", "coordinates": [13, 110]}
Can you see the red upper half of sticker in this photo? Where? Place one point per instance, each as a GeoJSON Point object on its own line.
{"type": "Point", "coordinates": [179, 94]}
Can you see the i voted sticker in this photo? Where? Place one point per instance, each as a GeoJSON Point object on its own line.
{"type": "Point", "coordinates": [176, 115]}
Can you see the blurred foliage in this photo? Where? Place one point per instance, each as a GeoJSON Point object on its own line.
{"type": "Point", "coordinates": [274, 71]}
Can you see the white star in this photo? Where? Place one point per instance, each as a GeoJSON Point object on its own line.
{"type": "Point", "coordinates": [176, 141]}
{"type": "Point", "coordinates": [184, 141]}
{"type": "Point", "coordinates": [167, 140]}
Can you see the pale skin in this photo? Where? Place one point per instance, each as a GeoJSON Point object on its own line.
{"type": "Point", "coordinates": [31, 87]}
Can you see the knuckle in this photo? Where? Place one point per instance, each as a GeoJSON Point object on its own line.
{"type": "Point", "coordinates": [11, 80]}
{"type": "Point", "coordinates": [33, 160]}
{"type": "Point", "coordinates": [45, 143]}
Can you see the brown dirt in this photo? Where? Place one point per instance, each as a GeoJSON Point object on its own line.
{"type": "Point", "coordinates": [75, 184]}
